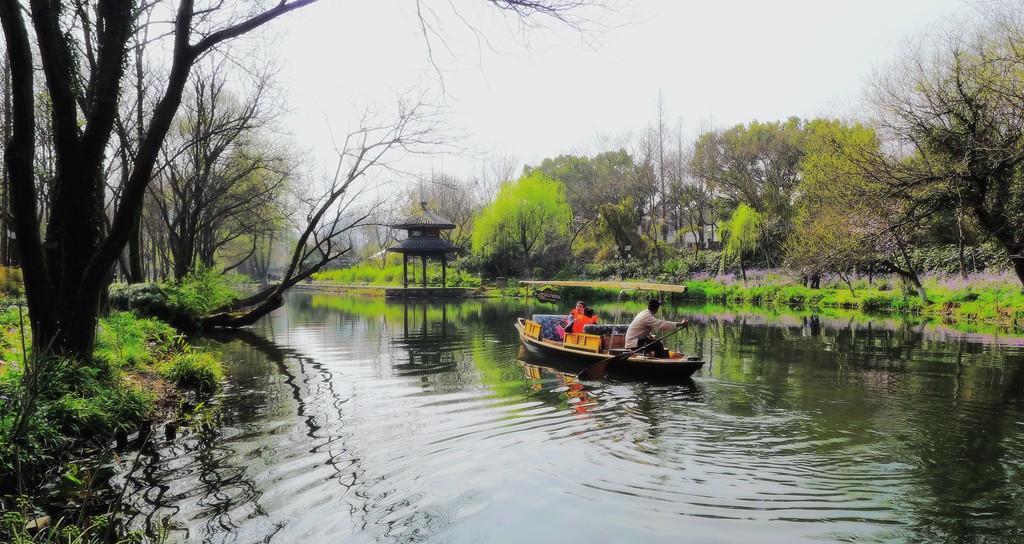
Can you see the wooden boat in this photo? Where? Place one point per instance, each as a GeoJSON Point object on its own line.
{"type": "Point", "coordinates": [595, 344]}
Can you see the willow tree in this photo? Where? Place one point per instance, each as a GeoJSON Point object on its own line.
{"type": "Point", "coordinates": [740, 233]}
{"type": "Point", "coordinates": [524, 217]}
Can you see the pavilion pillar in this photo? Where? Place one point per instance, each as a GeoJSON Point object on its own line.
{"type": "Point", "coordinates": [423, 259]}
{"type": "Point", "coordinates": [405, 270]}
{"type": "Point", "coordinates": [444, 270]}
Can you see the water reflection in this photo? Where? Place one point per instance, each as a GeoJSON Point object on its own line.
{"type": "Point", "coordinates": [567, 390]}
{"type": "Point", "coordinates": [364, 420]}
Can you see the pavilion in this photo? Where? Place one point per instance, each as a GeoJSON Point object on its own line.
{"type": "Point", "coordinates": [424, 240]}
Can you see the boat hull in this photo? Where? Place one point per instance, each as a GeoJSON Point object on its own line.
{"type": "Point", "coordinates": [550, 353]}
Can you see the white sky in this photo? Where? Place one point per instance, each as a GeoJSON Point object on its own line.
{"type": "Point", "coordinates": [716, 62]}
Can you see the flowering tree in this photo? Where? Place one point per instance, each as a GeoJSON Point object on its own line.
{"type": "Point", "coordinates": [845, 219]}
{"type": "Point", "coordinates": [954, 109]}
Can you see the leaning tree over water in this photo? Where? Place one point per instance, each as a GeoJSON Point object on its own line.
{"type": "Point", "coordinates": [83, 47]}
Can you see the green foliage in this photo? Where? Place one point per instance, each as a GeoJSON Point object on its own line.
{"type": "Point", "coordinates": [756, 164]}
{"type": "Point", "coordinates": [364, 273]}
{"type": "Point", "coordinates": [40, 441]}
{"type": "Point", "coordinates": [618, 225]}
{"type": "Point", "coordinates": [525, 218]}
{"type": "Point", "coordinates": [367, 273]}
{"type": "Point", "coordinates": [146, 298]}
{"type": "Point", "coordinates": [11, 319]}
{"type": "Point", "coordinates": [957, 97]}
{"type": "Point", "coordinates": [95, 407]}
{"type": "Point", "coordinates": [126, 341]}
{"type": "Point", "coordinates": [988, 298]}
{"type": "Point", "coordinates": [11, 282]}
{"type": "Point", "coordinates": [835, 222]}
{"type": "Point", "coordinates": [590, 183]}
{"type": "Point", "coordinates": [740, 233]}
{"type": "Point", "coordinates": [65, 530]}
{"type": "Point", "coordinates": [193, 368]}
{"type": "Point", "coordinates": [199, 293]}
{"type": "Point", "coordinates": [946, 258]}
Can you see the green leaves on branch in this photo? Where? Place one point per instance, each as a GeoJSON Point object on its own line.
{"type": "Point", "coordinates": [740, 234]}
{"type": "Point", "coordinates": [526, 216]}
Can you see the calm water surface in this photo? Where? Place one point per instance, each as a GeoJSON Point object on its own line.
{"type": "Point", "coordinates": [360, 420]}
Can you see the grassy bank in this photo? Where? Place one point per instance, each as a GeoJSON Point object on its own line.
{"type": "Point", "coordinates": [54, 412]}
{"type": "Point", "coordinates": [990, 298]}
{"type": "Point", "coordinates": [390, 275]}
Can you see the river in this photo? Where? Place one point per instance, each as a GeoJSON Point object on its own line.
{"type": "Point", "coordinates": [365, 420]}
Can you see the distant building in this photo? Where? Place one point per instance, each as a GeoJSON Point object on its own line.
{"type": "Point", "coordinates": [685, 237]}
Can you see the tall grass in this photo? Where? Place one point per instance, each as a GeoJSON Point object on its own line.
{"type": "Point", "coordinates": [11, 282]}
{"type": "Point", "coordinates": [48, 404]}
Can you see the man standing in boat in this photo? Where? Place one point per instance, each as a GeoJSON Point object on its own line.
{"type": "Point", "coordinates": [644, 324]}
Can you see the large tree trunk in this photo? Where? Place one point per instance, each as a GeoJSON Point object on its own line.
{"type": "Point", "coordinates": [65, 277]}
{"type": "Point", "coordinates": [136, 272]}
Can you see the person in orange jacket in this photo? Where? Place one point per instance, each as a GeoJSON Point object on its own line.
{"type": "Point", "coordinates": [588, 317]}
{"type": "Point", "coordinates": [577, 311]}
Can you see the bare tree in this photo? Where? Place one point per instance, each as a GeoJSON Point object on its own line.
{"type": "Point", "coordinates": [330, 213]}
{"type": "Point", "coordinates": [217, 176]}
{"type": "Point", "coordinates": [952, 111]}
{"type": "Point", "coordinates": [456, 199]}
{"type": "Point", "coordinates": [82, 49]}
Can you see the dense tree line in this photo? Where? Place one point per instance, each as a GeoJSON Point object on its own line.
{"type": "Point", "coordinates": [935, 160]}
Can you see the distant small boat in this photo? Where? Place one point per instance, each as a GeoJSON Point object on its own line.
{"type": "Point", "coordinates": [595, 344]}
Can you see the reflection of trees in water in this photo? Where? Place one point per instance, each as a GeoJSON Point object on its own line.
{"type": "Point", "coordinates": [220, 485]}
{"type": "Point", "coordinates": [932, 404]}
{"type": "Point", "coordinates": [224, 491]}
{"type": "Point", "coordinates": [937, 421]}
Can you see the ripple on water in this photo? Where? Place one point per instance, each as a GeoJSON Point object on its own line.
{"type": "Point", "coordinates": [363, 431]}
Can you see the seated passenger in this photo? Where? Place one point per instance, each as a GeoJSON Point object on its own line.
{"type": "Point", "coordinates": [588, 318]}
{"type": "Point", "coordinates": [577, 311]}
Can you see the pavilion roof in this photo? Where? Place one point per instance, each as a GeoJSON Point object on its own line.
{"type": "Point", "coordinates": [424, 245]}
{"type": "Point", "coordinates": [424, 218]}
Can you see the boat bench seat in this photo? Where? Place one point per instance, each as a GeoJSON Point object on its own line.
{"type": "Point", "coordinates": [606, 330]}
{"type": "Point", "coordinates": [548, 324]}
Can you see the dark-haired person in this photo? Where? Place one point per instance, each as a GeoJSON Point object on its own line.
{"type": "Point", "coordinates": [576, 313]}
{"type": "Point", "coordinates": [577, 310]}
{"type": "Point", "coordinates": [588, 318]}
{"type": "Point", "coordinates": [644, 324]}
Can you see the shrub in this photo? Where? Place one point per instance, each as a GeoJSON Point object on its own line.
{"type": "Point", "coordinates": [199, 293]}
{"type": "Point", "coordinates": [193, 368]}
{"type": "Point", "coordinates": [11, 282]}
{"type": "Point", "coordinates": [792, 295]}
{"type": "Point", "coordinates": [40, 441]}
{"type": "Point", "coordinates": [126, 341]}
{"type": "Point", "coordinates": [146, 298]}
{"type": "Point", "coordinates": [876, 300]}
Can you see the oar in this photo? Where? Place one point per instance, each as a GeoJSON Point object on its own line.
{"type": "Point", "coordinates": [599, 369]}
